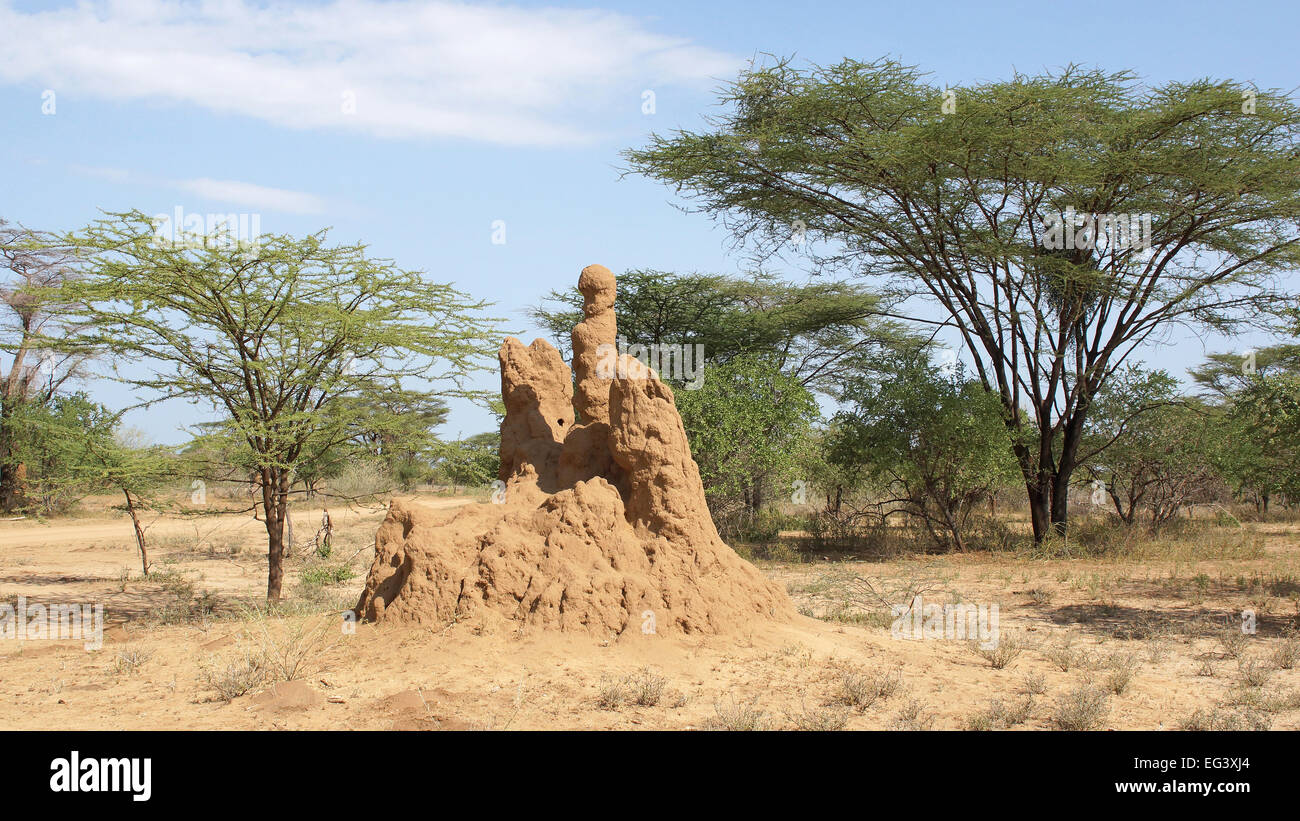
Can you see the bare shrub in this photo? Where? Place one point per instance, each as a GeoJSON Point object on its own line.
{"type": "Point", "coordinates": [1083, 708]}
{"type": "Point", "coordinates": [1218, 719]}
{"type": "Point", "coordinates": [1122, 667]}
{"type": "Point", "coordinates": [913, 716]}
{"type": "Point", "coordinates": [645, 688]}
{"type": "Point", "coordinates": [1000, 715]}
{"type": "Point", "coordinates": [293, 648]}
{"type": "Point", "coordinates": [1000, 655]}
{"type": "Point", "coordinates": [130, 659]}
{"type": "Point", "coordinates": [737, 716]}
{"type": "Point", "coordinates": [860, 690]}
{"type": "Point", "coordinates": [1065, 656]}
{"type": "Point", "coordinates": [236, 677]}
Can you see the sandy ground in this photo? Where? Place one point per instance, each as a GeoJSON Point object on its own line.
{"type": "Point", "coordinates": [1157, 639]}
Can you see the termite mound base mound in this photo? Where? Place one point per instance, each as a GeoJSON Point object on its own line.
{"type": "Point", "coordinates": [604, 526]}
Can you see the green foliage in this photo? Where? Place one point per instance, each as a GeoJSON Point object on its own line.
{"type": "Point", "coordinates": [934, 440]}
{"type": "Point", "coordinates": [950, 204]}
{"type": "Point", "coordinates": [1266, 452]}
{"type": "Point", "coordinates": [55, 442]}
{"type": "Point", "coordinates": [472, 462]}
{"type": "Point", "coordinates": [812, 332]}
{"type": "Point", "coordinates": [282, 336]}
{"type": "Point", "coordinates": [1150, 449]}
{"type": "Point", "coordinates": [746, 424]}
{"type": "Point", "coordinates": [1257, 451]}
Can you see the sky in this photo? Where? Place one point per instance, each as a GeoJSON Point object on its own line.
{"type": "Point", "coordinates": [480, 142]}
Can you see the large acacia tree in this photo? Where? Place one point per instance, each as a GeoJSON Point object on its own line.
{"type": "Point", "coordinates": [948, 195]}
{"type": "Point", "coordinates": [277, 336]}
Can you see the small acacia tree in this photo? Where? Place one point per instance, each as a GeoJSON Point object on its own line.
{"type": "Point", "coordinates": [1249, 391]}
{"type": "Point", "coordinates": [932, 439]}
{"type": "Point", "coordinates": [1267, 416]}
{"type": "Point", "coordinates": [474, 461]}
{"type": "Point", "coordinates": [814, 332]}
{"type": "Point", "coordinates": [275, 335]}
{"type": "Point", "coordinates": [746, 424]}
{"type": "Point", "coordinates": [76, 447]}
{"type": "Point", "coordinates": [1147, 448]}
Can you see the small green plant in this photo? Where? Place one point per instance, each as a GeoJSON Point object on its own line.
{"type": "Point", "coordinates": [323, 575]}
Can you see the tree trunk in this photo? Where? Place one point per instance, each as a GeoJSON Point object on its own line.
{"type": "Point", "coordinates": [1039, 511]}
{"type": "Point", "coordinates": [13, 484]}
{"type": "Point", "coordinates": [275, 506]}
{"type": "Point", "coordinates": [1060, 503]}
{"type": "Point", "coordinates": [288, 534]}
{"type": "Point", "coordinates": [139, 532]}
{"type": "Point", "coordinates": [12, 474]}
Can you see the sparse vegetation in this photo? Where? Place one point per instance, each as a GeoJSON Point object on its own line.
{"type": "Point", "coordinates": [1000, 715]}
{"type": "Point", "coordinates": [861, 690]}
{"type": "Point", "coordinates": [1001, 653]}
{"type": "Point", "coordinates": [236, 677]}
{"type": "Point", "coordinates": [737, 716]}
{"type": "Point", "coordinates": [1082, 708]}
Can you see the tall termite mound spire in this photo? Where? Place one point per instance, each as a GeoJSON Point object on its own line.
{"type": "Point", "coordinates": [585, 454]}
{"type": "Point", "coordinates": [599, 327]}
{"type": "Point", "coordinates": [604, 524]}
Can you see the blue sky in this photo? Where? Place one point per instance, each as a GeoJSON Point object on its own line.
{"type": "Point", "coordinates": [414, 126]}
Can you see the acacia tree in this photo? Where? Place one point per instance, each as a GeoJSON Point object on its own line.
{"type": "Point", "coordinates": [274, 334]}
{"type": "Point", "coordinates": [1243, 386]}
{"type": "Point", "coordinates": [956, 197]}
{"type": "Point", "coordinates": [1267, 414]}
{"type": "Point", "coordinates": [932, 439]}
{"type": "Point", "coordinates": [1148, 448]}
{"type": "Point", "coordinates": [33, 263]}
{"type": "Point", "coordinates": [474, 461]}
{"type": "Point", "coordinates": [746, 425]}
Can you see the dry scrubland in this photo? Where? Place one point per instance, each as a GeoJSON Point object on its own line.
{"type": "Point", "coordinates": [1147, 638]}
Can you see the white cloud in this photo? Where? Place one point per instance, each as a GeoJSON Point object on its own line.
{"type": "Point", "coordinates": [497, 73]}
{"type": "Point", "coordinates": [252, 195]}
{"type": "Point", "coordinates": [101, 172]}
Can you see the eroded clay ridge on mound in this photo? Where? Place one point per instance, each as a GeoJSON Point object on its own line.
{"type": "Point", "coordinates": [604, 527]}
